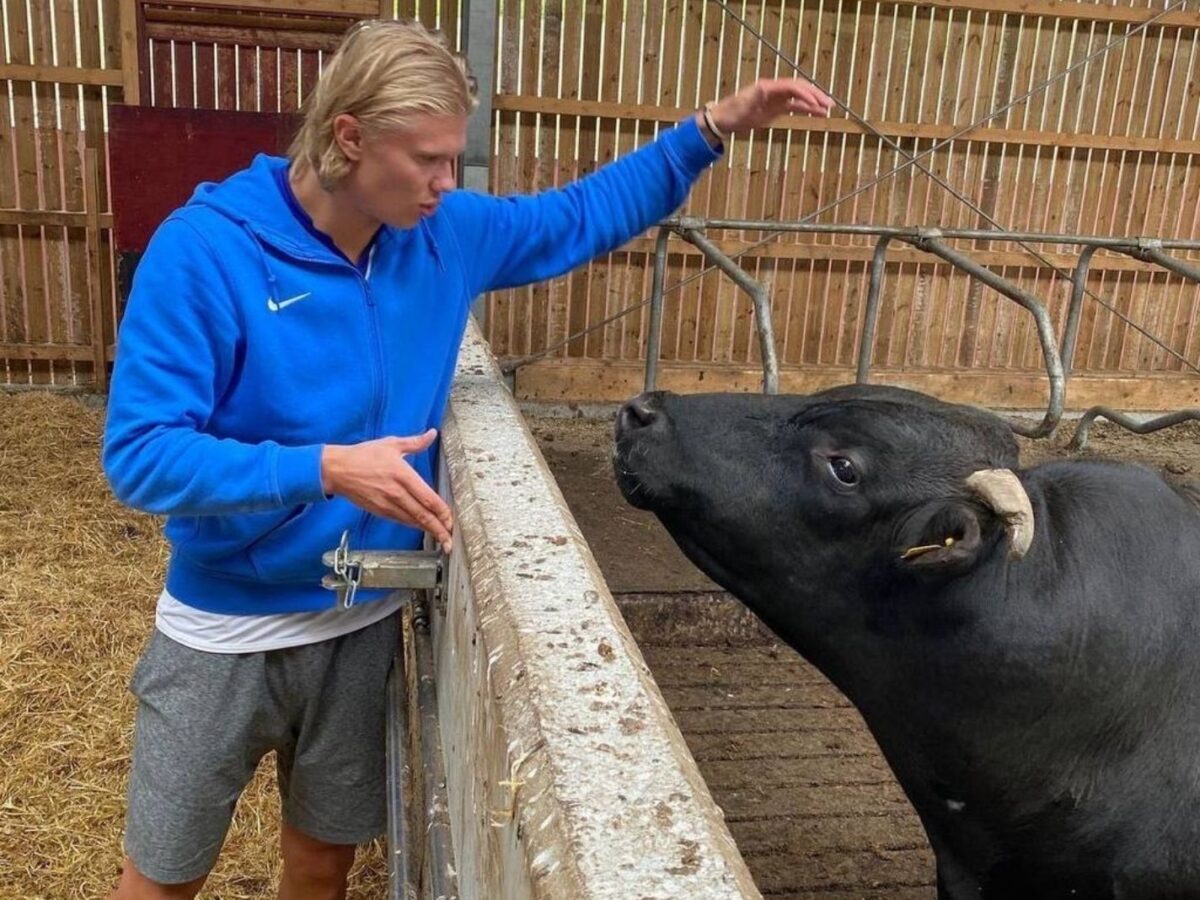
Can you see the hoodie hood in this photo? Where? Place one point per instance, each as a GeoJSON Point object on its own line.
{"type": "Point", "coordinates": [252, 199]}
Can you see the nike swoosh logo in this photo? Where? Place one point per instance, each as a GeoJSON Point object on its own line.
{"type": "Point", "coordinates": [276, 306]}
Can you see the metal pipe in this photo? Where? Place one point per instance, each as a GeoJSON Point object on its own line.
{"type": "Point", "coordinates": [1148, 251]}
{"type": "Point", "coordinates": [931, 243]}
{"type": "Point", "coordinates": [399, 783]}
{"type": "Point", "coordinates": [1075, 310]}
{"type": "Point", "coordinates": [1079, 441]}
{"type": "Point", "coordinates": [654, 340]}
{"type": "Point", "coordinates": [762, 305]}
{"type": "Point", "coordinates": [443, 880]}
{"type": "Point", "coordinates": [694, 223]}
{"type": "Point", "coordinates": [866, 344]}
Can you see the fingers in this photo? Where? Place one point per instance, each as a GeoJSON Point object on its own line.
{"type": "Point", "coordinates": [432, 512]}
{"type": "Point", "coordinates": [433, 517]}
{"type": "Point", "coordinates": [416, 443]}
{"type": "Point", "coordinates": [812, 102]}
{"type": "Point", "coordinates": [389, 486]}
{"type": "Point", "coordinates": [796, 95]}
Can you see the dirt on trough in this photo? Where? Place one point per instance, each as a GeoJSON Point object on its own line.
{"type": "Point", "coordinates": [813, 806]}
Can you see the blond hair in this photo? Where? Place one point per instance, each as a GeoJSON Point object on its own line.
{"type": "Point", "coordinates": [384, 72]}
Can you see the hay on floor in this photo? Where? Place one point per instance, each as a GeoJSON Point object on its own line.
{"type": "Point", "coordinates": [79, 576]}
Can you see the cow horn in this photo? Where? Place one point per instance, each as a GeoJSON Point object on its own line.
{"type": "Point", "coordinates": [1003, 492]}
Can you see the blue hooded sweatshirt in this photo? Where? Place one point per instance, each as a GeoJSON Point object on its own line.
{"type": "Point", "coordinates": [248, 344]}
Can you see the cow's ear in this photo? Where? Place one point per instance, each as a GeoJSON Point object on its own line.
{"type": "Point", "coordinates": [941, 539]}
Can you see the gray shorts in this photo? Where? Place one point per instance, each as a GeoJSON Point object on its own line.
{"type": "Point", "coordinates": [204, 721]}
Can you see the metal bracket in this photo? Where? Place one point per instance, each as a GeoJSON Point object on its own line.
{"type": "Point", "coordinates": [394, 569]}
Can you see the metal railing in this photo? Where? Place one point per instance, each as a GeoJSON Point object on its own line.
{"type": "Point", "coordinates": [1057, 359]}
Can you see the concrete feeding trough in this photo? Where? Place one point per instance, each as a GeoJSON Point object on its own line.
{"type": "Point", "coordinates": [563, 772]}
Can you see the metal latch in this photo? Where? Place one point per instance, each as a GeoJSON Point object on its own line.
{"type": "Point", "coordinates": [391, 569]}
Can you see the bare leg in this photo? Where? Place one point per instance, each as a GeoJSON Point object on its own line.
{"type": "Point", "coordinates": [136, 886]}
{"type": "Point", "coordinates": [312, 869]}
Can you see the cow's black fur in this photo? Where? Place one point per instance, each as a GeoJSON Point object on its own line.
{"type": "Point", "coordinates": [1042, 714]}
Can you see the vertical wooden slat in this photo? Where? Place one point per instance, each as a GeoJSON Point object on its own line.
{"type": "Point", "coordinates": [533, 299]}
{"type": "Point", "coordinates": [184, 79]}
{"type": "Point", "coordinates": [33, 282]}
{"type": "Point", "coordinates": [834, 302]}
{"type": "Point", "coordinates": [95, 294]}
{"type": "Point", "coordinates": [10, 237]}
{"type": "Point", "coordinates": [161, 75]}
{"type": "Point", "coordinates": [52, 243]}
{"type": "Point", "coordinates": [725, 59]}
{"type": "Point", "coordinates": [629, 138]}
{"type": "Point", "coordinates": [131, 28]}
{"type": "Point", "coordinates": [72, 299]}
{"type": "Point", "coordinates": [310, 71]}
{"type": "Point", "coordinates": [589, 293]}
{"type": "Point", "coordinates": [206, 89]}
{"type": "Point", "coordinates": [505, 170]}
{"type": "Point", "coordinates": [98, 51]}
{"type": "Point", "coordinates": [668, 96]}
{"type": "Point", "coordinates": [248, 96]}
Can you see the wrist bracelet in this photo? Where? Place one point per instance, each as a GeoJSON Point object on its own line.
{"type": "Point", "coordinates": [706, 112]}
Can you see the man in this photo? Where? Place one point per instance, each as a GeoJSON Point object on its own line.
{"type": "Point", "coordinates": [284, 362]}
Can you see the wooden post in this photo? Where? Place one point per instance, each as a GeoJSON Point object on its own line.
{"type": "Point", "coordinates": [130, 12]}
{"type": "Point", "coordinates": [95, 293]}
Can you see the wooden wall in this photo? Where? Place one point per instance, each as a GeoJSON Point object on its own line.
{"type": "Point", "coordinates": [61, 68]}
{"type": "Point", "coordinates": [1112, 149]}
{"type": "Point", "coordinates": [61, 64]}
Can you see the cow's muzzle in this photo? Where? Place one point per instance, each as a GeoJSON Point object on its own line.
{"type": "Point", "coordinates": [640, 412]}
{"type": "Point", "coordinates": [1001, 490]}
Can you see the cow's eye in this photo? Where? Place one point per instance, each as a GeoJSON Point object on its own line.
{"type": "Point", "coordinates": [843, 470]}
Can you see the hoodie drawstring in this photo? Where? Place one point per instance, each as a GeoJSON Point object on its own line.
{"type": "Point", "coordinates": [272, 283]}
{"type": "Point", "coordinates": [433, 247]}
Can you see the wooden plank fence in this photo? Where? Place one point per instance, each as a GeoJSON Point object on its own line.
{"type": "Point", "coordinates": [1112, 149]}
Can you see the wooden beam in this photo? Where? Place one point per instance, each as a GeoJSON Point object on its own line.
{"type": "Point", "coordinates": [60, 75]}
{"type": "Point", "coordinates": [51, 218]}
{"type": "Point", "coordinates": [894, 130]}
{"type": "Point", "coordinates": [131, 90]}
{"type": "Point", "coordinates": [611, 382]}
{"type": "Point", "coordinates": [350, 8]}
{"type": "Point", "coordinates": [244, 36]}
{"type": "Point", "coordinates": [1059, 9]}
{"type": "Point", "coordinates": [217, 19]}
{"type": "Point", "coordinates": [52, 352]}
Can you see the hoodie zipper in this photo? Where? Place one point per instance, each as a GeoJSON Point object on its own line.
{"type": "Point", "coordinates": [380, 393]}
{"type": "Point", "coordinates": [361, 529]}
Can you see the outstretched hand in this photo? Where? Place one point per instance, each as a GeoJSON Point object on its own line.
{"type": "Point", "coordinates": [375, 476]}
{"type": "Point", "coordinates": [762, 102]}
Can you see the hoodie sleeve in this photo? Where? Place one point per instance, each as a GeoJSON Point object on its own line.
{"type": "Point", "coordinates": [177, 352]}
{"type": "Point", "coordinates": [520, 239]}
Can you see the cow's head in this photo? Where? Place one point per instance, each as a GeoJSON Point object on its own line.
{"type": "Point", "coordinates": [816, 495]}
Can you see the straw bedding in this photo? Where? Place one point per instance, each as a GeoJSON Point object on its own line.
{"type": "Point", "coordinates": [79, 575]}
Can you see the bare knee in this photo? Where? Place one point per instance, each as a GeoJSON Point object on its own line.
{"type": "Point", "coordinates": [136, 886]}
{"type": "Point", "coordinates": [313, 869]}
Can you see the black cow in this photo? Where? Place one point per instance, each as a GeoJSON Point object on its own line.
{"type": "Point", "coordinates": [1023, 644]}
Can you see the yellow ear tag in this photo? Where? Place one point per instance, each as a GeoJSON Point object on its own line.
{"type": "Point", "coordinates": [925, 548]}
{"type": "Point", "coordinates": [917, 551]}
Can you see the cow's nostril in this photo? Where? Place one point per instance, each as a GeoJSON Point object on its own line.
{"type": "Point", "coordinates": [637, 413]}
